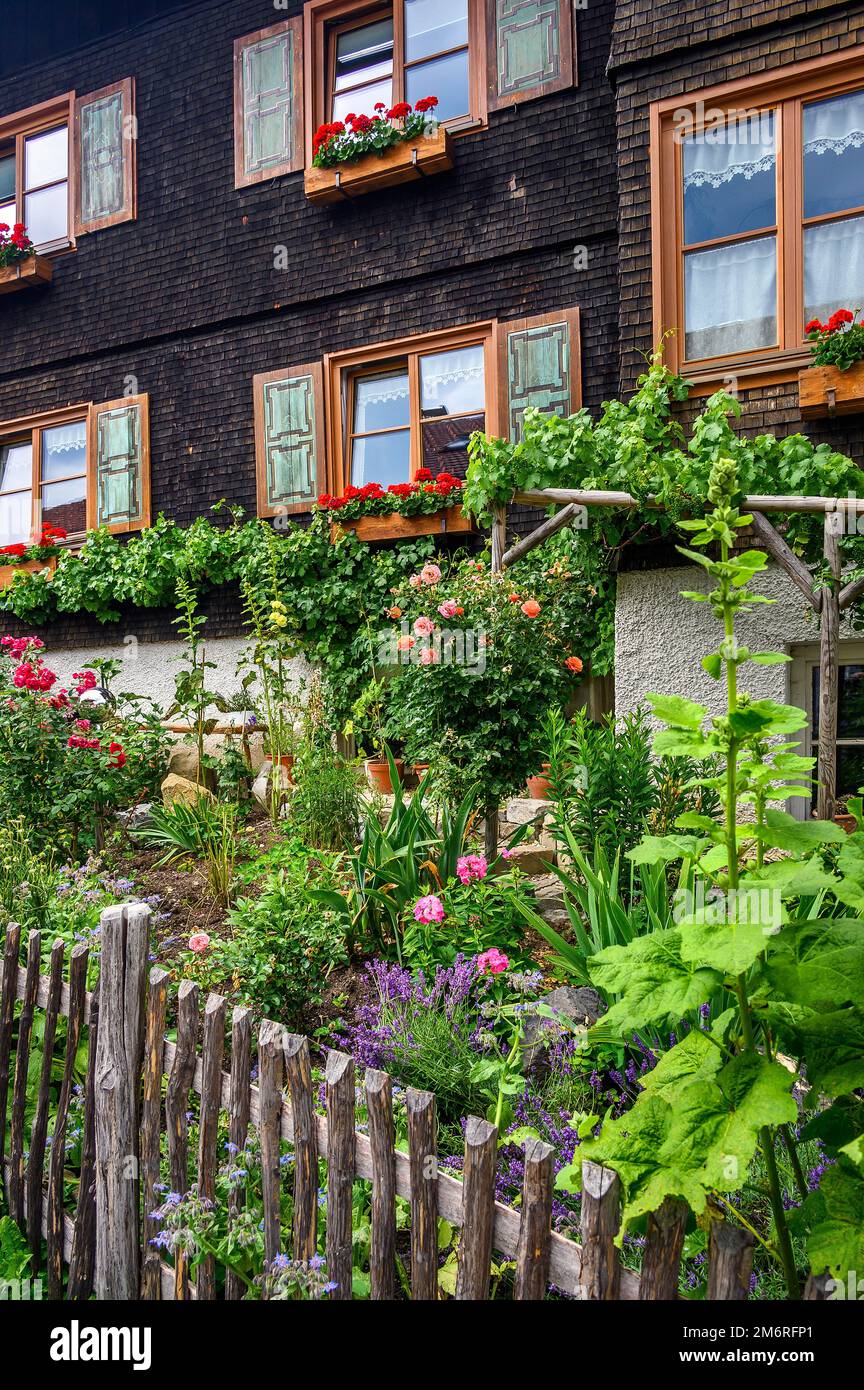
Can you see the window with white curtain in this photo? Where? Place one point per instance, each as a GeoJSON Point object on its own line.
{"type": "Point", "coordinates": [43, 479]}
{"type": "Point", "coordinates": [760, 219]}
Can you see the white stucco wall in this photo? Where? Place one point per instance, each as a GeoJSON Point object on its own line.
{"type": "Point", "coordinates": [149, 668]}
{"type": "Point", "coordinates": [660, 637]}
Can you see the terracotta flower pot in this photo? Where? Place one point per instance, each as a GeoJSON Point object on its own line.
{"type": "Point", "coordinates": [378, 775]}
{"type": "Point", "coordinates": [846, 822]}
{"type": "Point", "coordinates": [538, 787]}
{"type": "Point", "coordinates": [286, 760]}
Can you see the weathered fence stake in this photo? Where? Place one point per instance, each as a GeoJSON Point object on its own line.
{"type": "Point", "coordinates": [39, 1132]}
{"type": "Point", "coordinates": [208, 1125]}
{"type": "Point", "coordinates": [600, 1219]}
{"type": "Point", "coordinates": [535, 1226]}
{"type": "Point", "coordinates": [82, 1263]}
{"type": "Point", "coordinates": [270, 1071]}
{"type": "Point", "coordinates": [19, 1095]}
{"type": "Point", "coordinates": [659, 1277]}
{"type": "Point", "coordinates": [382, 1137]}
{"type": "Point", "coordinates": [151, 1124]}
{"type": "Point", "coordinates": [730, 1262]}
{"type": "Point", "coordinates": [8, 996]}
{"type": "Point", "coordinates": [238, 1116]}
{"type": "Point", "coordinates": [298, 1068]}
{"type": "Point", "coordinates": [125, 944]}
{"type": "Point", "coordinates": [423, 1160]}
{"type": "Point", "coordinates": [478, 1206]}
{"type": "Point", "coordinates": [339, 1077]}
{"type": "Point", "coordinates": [57, 1170]}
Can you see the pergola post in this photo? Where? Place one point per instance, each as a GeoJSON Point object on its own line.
{"type": "Point", "coordinates": [829, 671]}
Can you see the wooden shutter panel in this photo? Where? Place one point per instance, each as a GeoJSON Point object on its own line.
{"type": "Point", "coordinates": [118, 455]}
{"type": "Point", "coordinates": [531, 49]}
{"type": "Point", "coordinates": [289, 438]}
{"type": "Point", "coordinates": [104, 139]}
{"type": "Point", "coordinates": [539, 365]}
{"type": "Point", "coordinates": [268, 103]}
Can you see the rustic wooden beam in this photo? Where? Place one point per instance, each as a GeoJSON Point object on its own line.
{"type": "Point", "coordinates": [851, 593]}
{"type": "Point", "coordinates": [786, 558]}
{"type": "Point", "coordinates": [542, 533]}
{"type": "Point", "coordinates": [499, 538]}
{"type": "Point", "coordinates": [758, 502]}
{"type": "Point", "coordinates": [829, 672]}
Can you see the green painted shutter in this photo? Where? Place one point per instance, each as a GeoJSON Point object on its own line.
{"type": "Point", "coordinates": [269, 118]}
{"type": "Point", "coordinates": [540, 366]}
{"type": "Point", "coordinates": [289, 425]}
{"type": "Point", "coordinates": [104, 143]}
{"type": "Point", "coordinates": [119, 490]}
{"type": "Point", "coordinates": [531, 44]}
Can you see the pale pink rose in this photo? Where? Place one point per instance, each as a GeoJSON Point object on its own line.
{"type": "Point", "coordinates": [199, 942]}
{"type": "Point", "coordinates": [428, 656]}
{"type": "Point", "coordinates": [424, 627]}
{"type": "Point", "coordinates": [430, 574]}
{"type": "Point", "coordinates": [405, 643]}
{"type": "Point", "coordinates": [449, 608]}
{"type": "Point", "coordinates": [415, 581]}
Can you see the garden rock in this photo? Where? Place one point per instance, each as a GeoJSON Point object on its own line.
{"type": "Point", "coordinates": [176, 788]}
{"type": "Point", "coordinates": [581, 1006]}
{"type": "Point", "coordinates": [138, 817]}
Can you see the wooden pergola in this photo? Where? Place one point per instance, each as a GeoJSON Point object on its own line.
{"type": "Point", "coordinates": [827, 602]}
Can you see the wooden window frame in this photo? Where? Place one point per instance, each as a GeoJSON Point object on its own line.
{"type": "Point", "coordinates": [341, 369]}
{"type": "Point", "coordinates": [572, 317]}
{"type": "Point", "coordinates": [32, 427]}
{"type": "Point", "coordinates": [292, 166]}
{"type": "Point", "coordinates": [784, 90]}
{"type": "Point", "coordinates": [319, 17]}
{"type": "Point", "coordinates": [38, 120]}
{"type": "Point", "coordinates": [569, 64]}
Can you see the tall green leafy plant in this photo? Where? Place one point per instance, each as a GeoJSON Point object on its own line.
{"type": "Point", "coordinates": [720, 1096]}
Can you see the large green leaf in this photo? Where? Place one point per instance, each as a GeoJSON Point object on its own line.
{"type": "Point", "coordinates": [660, 849]}
{"type": "Point", "coordinates": [799, 836]}
{"type": "Point", "coordinates": [836, 1211]}
{"type": "Point", "coordinates": [675, 710]}
{"type": "Point", "coordinates": [653, 979]}
{"type": "Point", "coordinates": [819, 963]}
{"type": "Point", "coordinates": [832, 1045]}
{"type": "Point", "coordinates": [730, 947]}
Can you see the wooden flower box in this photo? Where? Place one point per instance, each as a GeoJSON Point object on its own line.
{"type": "Point", "coordinates": [36, 270]}
{"type": "Point", "coordinates": [8, 572]}
{"type": "Point", "coordinates": [448, 521]}
{"type": "Point", "coordinates": [403, 163]}
{"type": "Point", "coordinates": [828, 391]}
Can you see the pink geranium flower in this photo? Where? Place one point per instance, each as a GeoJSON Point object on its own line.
{"type": "Point", "coordinates": [429, 909]}
{"type": "Point", "coordinates": [492, 962]}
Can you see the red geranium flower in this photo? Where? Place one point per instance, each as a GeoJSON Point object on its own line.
{"type": "Point", "coordinates": [402, 108]}
{"type": "Point", "coordinates": [423, 475]}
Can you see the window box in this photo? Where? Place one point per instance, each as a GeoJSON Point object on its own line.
{"type": "Point", "coordinates": [36, 270]}
{"type": "Point", "coordinates": [406, 162]}
{"type": "Point", "coordinates": [824, 391]}
{"type": "Point", "coordinates": [448, 521]}
{"type": "Point", "coordinates": [8, 572]}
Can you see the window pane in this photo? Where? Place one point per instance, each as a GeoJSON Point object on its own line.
{"type": "Point", "coordinates": [362, 101]}
{"type": "Point", "coordinates": [7, 178]}
{"type": "Point", "coordinates": [384, 459]}
{"type": "Point", "coordinates": [15, 518]}
{"type": "Point", "coordinates": [444, 442]}
{"type": "Point", "coordinates": [730, 179]}
{"type": "Point", "coordinates": [65, 504]}
{"type": "Point", "coordinates": [850, 710]}
{"type": "Point", "coordinates": [381, 402]}
{"type": "Point", "coordinates": [834, 154]}
{"type": "Point", "coordinates": [433, 26]}
{"type": "Point", "coordinates": [444, 78]}
{"type": "Point", "coordinates": [833, 267]}
{"type": "Point", "coordinates": [46, 158]}
{"type": "Point", "coordinates": [452, 382]}
{"type": "Point", "coordinates": [364, 53]}
{"type": "Point", "coordinates": [16, 463]}
{"type": "Point", "coordinates": [64, 450]}
{"type": "Point", "coordinates": [46, 214]}
{"type": "Point", "coordinates": [730, 298]}
{"type": "Point", "coordinates": [8, 213]}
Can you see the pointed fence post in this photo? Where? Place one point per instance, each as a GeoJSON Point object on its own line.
{"type": "Point", "coordinates": [125, 941]}
{"type": "Point", "coordinates": [829, 670]}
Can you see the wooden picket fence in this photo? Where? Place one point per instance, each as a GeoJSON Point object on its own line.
{"type": "Point", "coordinates": [106, 1242]}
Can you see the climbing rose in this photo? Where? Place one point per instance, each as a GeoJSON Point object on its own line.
{"type": "Point", "coordinates": [430, 574]}
{"type": "Point", "coordinates": [449, 608]}
{"type": "Point", "coordinates": [492, 962]}
{"type": "Point", "coordinates": [199, 942]}
{"type": "Point", "coordinates": [428, 656]}
{"type": "Point", "coordinates": [531, 608]}
{"type": "Point", "coordinates": [424, 627]}
{"type": "Point", "coordinates": [574, 664]}
{"type": "Point", "coordinates": [429, 909]}
{"type": "Point", "coordinates": [405, 643]}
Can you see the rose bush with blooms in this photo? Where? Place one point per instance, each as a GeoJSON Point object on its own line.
{"type": "Point", "coordinates": [839, 342]}
{"type": "Point", "coordinates": [470, 691]}
{"type": "Point", "coordinates": [424, 496]}
{"type": "Point", "coordinates": [341, 142]}
{"type": "Point", "coordinates": [15, 244]}
{"type": "Point", "coordinates": [474, 914]}
{"type": "Point", "coordinates": [66, 764]}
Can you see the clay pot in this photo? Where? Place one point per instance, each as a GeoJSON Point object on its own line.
{"type": "Point", "coordinates": [538, 787]}
{"type": "Point", "coordinates": [846, 822]}
{"type": "Point", "coordinates": [378, 775]}
{"type": "Point", "coordinates": [286, 760]}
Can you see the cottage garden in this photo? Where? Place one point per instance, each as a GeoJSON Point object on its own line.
{"type": "Point", "coordinates": [650, 964]}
